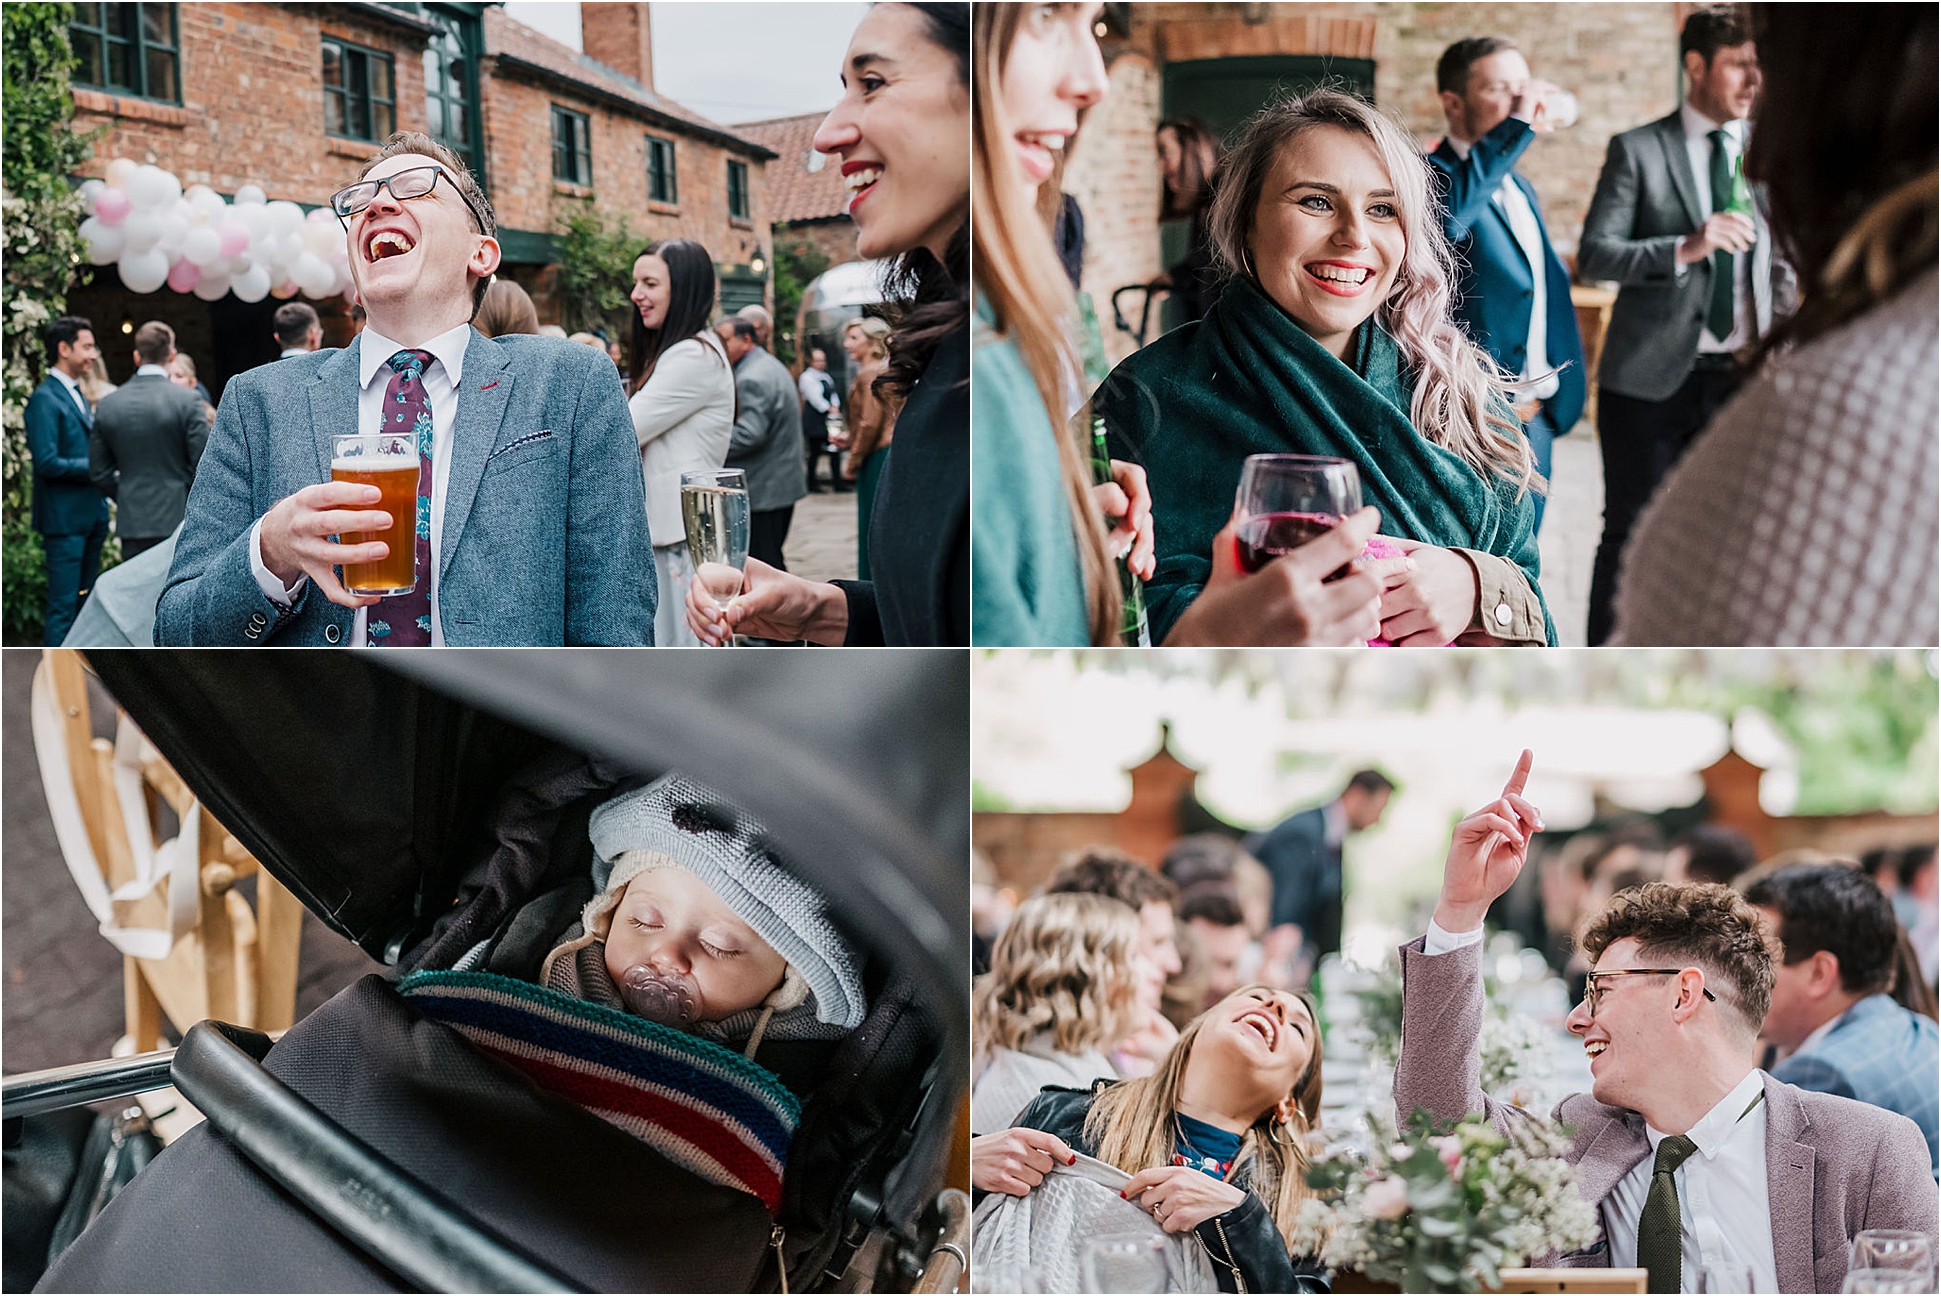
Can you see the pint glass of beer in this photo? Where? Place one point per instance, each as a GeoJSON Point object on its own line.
{"type": "Point", "coordinates": [390, 463]}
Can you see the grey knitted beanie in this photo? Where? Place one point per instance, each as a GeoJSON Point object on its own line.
{"type": "Point", "coordinates": [699, 831]}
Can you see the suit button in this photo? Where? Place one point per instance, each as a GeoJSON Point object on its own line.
{"type": "Point", "coordinates": [332, 634]}
{"type": "Point", "coordinates": [257, 621]}
{"type": "Point", "coordinates": [254, 631]}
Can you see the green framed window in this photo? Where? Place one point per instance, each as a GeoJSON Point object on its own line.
{"type": "Point", "coordinates": [360, 91]}
{"type": "Point", "coordinates": [572, 146]}
{"type": "Point", "coordinates": [129, 49]}
{"type": "Point", "coordinates": [660, 170]}
{"type": "Point", "coordinates": [738, 189]}
{"type": "Point", "coordinates": [451, 85]}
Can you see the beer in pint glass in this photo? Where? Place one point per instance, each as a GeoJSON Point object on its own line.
{"type": "Point", "coordinates": [390, 463]}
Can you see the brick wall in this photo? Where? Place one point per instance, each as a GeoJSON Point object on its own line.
{"type": "Point", "coordinates": [620, 36]}
{"type": "Point", "coordinates": [1619, 59]}
{"type": "Point", "coordinates": [835, 239]}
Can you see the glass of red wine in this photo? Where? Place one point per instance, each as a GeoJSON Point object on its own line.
{"type": "Point", "coordinates": [1286, 500]}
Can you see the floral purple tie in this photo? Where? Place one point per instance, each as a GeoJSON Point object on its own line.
{"type": "Point", "coordinates": [404, 620]}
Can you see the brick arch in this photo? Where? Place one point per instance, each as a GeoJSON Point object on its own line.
{"type": "Point", "coordinates": [1185, 39]}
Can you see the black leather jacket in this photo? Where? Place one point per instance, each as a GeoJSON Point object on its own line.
{"type": "Point", "coordinates": [1247, 1250]}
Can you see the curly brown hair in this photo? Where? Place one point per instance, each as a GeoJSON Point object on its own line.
{"type": "Point", "coordinates": [1063, 965]}
{"type": "Point", "coordinates": [1700, 924]}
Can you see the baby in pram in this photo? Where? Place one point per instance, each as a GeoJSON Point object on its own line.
{"type": "Point", "coordinates": [694, 924]}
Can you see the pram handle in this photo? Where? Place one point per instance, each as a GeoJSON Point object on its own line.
{"type": "Point", "coordinates": [402, 1224]}
{"type": "Point", "coordinates": [35, 1093]}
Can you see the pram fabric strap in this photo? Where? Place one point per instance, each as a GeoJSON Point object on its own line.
{"type": "Point", "coordinates": [707, 1109]}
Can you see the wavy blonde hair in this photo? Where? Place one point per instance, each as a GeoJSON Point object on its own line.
{"type": "Point", "coordinates": [875, 331]}
{"type": "Point", "coordinates": [1458, 384]}
{"type": "Point", "coordinates": [1017, 270]}
{"type": "Point", "coordinates": [1064, 964]}
{"type": "Point", "coordinates": [1132, 1124]}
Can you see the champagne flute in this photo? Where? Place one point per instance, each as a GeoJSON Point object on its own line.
{"type": "Point", "coordinates": [714, 509]}
{"type": "Point", "coordinates": [1892, 1249]}
{"type": "Point", "coordinates": [1123, 1262]}
{"type": "Point", "coordinates": [1287, 500]}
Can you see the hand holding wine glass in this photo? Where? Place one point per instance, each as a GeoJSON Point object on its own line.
{"type": "Point", "coordinates": [1284, 501]}
{"type": "Point", "coordinates": [1299, 599]}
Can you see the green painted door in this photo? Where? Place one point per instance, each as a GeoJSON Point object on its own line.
{"type": "Point", "coordinates": [1224, 92]}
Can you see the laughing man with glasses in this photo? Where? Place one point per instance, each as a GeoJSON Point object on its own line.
{"type": "Point", "coordinates": [531, 518]}
{"type": "Point", "coordinates": [1693, 1156]}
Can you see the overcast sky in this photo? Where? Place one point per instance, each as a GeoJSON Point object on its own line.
{"type": "Point", "coordinates": [728, 60]}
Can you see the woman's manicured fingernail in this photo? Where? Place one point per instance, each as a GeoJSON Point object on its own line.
{"type": "Point", "coordinates": [1073, 1160]}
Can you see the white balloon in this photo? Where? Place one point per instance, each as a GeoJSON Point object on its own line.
{"type": "Point", "coordinates": [202, 246]}
{"type": "Point", "coordinates": [248, 196]}
{"type": "Point", "coordinates": [144, 272]}
{"type": "Point", "coordinates": [252, 285]}
{"type": "Point", "coordinates": [285, 218]}
{"type": "Point", "coordinates": [252, 218]}
{"type": "Point", "coordinates": [313, 276]}
{"type": "Point", "coordinates": [174, 230]}
{"type": "Point", "coordinates": [239, 265]}
{"type": "Point", "coordinates": [208, 206]}
{"type": "Point", "coordinates": [151, 187]}
{"type": "Point", "coordinates": [119, 170]}
{"type": "Point", "coordinates": [322, 240]}
{"type": "Point", "coordinates": [212, 286]}
{"type": "Point", "coordinates": [193, 191]}
{"type": "Point", "coordinates": [89, 188]}
{"type": "Point", "coordinates": [143, 229]}
{"type": "Point", "coordinates": [105, 242]}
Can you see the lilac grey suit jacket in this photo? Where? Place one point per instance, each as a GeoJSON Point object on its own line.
{"type": "Point", "coordinates": [1833, 1166]}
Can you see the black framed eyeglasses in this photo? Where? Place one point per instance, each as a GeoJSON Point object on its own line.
{"type": "Point", "coordinates": [415, 182]}
{"type": "Point", "coordinates": [1593, 992]}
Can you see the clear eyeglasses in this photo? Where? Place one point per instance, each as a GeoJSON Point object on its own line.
{"type": "Point", "coordinates": [404, 185]}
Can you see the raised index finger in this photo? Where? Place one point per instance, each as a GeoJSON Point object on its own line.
{"type": "Point", "coordinates": [1520, 775]}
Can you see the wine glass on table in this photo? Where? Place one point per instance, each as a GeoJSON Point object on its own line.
{"type": "Point", "coordinates": [714, 509]}
{"type": "Point", "coordinates": [1893, 1249]}
{"type": "Point", "coordinates": [1287, 500]}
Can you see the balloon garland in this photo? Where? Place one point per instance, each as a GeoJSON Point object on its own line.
{"type": "Point", "coordinates": [142, 222]}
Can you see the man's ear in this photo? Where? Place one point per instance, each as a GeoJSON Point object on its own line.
{"type": "Point", "coordinates": [485, 258]}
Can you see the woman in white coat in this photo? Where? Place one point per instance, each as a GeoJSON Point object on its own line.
{"type": "Point", "coordinates": [681, 391]}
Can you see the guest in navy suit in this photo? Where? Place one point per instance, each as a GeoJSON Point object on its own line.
{"type": "Point", "coordinates": [1303, 853]}
{"type": "Point", "coordinates": [1831, 1003]}
{"type": "Point", "coordinates": [1512, 291]}
{"type": "Point", "coordinates": [69, 512]}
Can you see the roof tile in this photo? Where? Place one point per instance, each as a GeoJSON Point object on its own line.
{"type": "Point", "coordinates": [802, 183]}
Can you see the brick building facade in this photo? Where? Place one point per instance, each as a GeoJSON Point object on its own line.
{"type": "Point", "coordinates": [809, 205]}
{"type": "Point", "coordinates": [1621, 61]}
{"type": "Point", "coordinates": [295, 96]}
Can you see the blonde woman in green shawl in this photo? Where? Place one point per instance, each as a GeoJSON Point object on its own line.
{"type": "Point", "coordinates": [1334, 336]}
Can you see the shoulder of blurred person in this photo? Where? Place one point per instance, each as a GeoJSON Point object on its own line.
{"type": "Point", "coordinates": [1878, 1053]}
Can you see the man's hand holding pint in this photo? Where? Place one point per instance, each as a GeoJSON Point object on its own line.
{"type": "Point", "coordinates": [296, 533]}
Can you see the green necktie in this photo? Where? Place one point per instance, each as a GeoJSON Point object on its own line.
{"type": "Point", "coordinates": [1658, 1229]}
{"type": "Point", "coordinates": [1719, 317]}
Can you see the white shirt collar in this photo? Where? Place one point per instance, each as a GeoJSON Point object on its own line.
{"type": "Point", "coordinates": [1462, 149]}
{"type": "Point", "coordinates": [73, 384]}
{"type": "Point", "coordinates": [1334, 823]}
{"type": "Point", "coordinates": [1718, 1125]}
{"type": "Point", "coordinates": [1700, 127]}
{"type": "Point", "coordinates": [374, 350]}
{"type": "Point", "coordinates": [151, 371]}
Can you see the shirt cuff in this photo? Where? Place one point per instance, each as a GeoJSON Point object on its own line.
{"type": "Point", "coordinates": [265, 579]}
{"type": "Point", "coordinates": [1507, 609]}
{"type": "Point", "coordinates": [1439, 941]}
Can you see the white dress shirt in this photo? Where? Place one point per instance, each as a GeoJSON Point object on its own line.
{"type": "Point", "coordinates": [151, 371]}
{"type": "Point", "coordinates": [293, 351]}
{"type": "Point", "coordinates": [1515, 206]}
{"type": "Point", "coordinates": [818, 389]}
{"type": "Point", "coordinates": [441, 379]}
{"type": "Point", "coordinates": [1698, 148]}
{"type": "Point", "coordinates": [74, 390]}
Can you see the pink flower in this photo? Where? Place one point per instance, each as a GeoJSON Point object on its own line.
{"type": "Point", "coordinates": [1449, 1149]}
{"type": "Point", "coordinates": [1388, 1199]}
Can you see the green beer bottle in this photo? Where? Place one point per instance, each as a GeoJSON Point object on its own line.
{"type": "Point", "coordinates": [1741, 191]}
{"type": "Point", "coordinates": [1133, 630]}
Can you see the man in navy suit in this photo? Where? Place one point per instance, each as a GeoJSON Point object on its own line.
{"type": "Point", "coordinates": [1512, 292]}
{"type": "Point", "coordinates": [531, 516]}
{"type": "Point", "coordinates": [1830, 1001]}
{"type": "Point", "coordinates": [1303, 853]}
{"type": "Point", "coordinates": [69, 512]}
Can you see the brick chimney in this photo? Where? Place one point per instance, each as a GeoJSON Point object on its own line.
{"type": "Point", "coordinates": [619, 35]}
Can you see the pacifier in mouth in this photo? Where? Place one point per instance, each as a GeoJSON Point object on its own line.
{"type": "Point", "coordinates": [664, 999]}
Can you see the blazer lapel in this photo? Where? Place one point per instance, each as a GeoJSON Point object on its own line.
{"type": "Point", "coordinates": [1671, 134]}
{"type": "Point", "coordinates": [1789, 1188]}
{"type": "Point", "coordinates": [1620, 1145]}
{"type": "Point", "coordinates": [333, 404]}
{"type": "Point", "coordinates": [482, 398]}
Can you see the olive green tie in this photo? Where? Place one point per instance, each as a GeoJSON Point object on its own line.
{"type": "Point", "coordinates": [1658, 1230]}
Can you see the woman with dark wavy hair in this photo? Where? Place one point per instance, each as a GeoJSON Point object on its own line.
{"type": "Point", "coordinates": [902, 134]}
{"type": "Point", "coordinates": [681, 393]}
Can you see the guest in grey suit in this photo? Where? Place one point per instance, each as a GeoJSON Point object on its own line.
{"type": "Point", "coordinates": [1692, 1156]}
{"type": "Point", "coordinates": [531, 515]}
{"type": "Point", "coordinates": [1697, 280]}
{"type": "Point", "coordinates": [147, 437]}
{"type": "Point", "coordinates": [767, 440]}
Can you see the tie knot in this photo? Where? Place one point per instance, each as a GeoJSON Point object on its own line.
{"type": "Point", "coordinates": [1719, 137]}
{"type": "Point", "coordinates": [412, 361]}
{"type": "Point", "coordinates": [1672, 1152]}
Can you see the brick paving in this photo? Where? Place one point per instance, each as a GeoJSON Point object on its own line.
{"type": "Point", "coordinates": [822, 537]}
{"type": "Point", "coordinates": [63, 1001]}
{"type": "Point", "coordinates": [1573, 520]}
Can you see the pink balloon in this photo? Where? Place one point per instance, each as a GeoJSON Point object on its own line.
{"type": "Point", "coordinates": [185, 275]}
{"type": "Point", "coordinates": [235, 239]}
{"type": "Point", "coordinates": [111, 206]}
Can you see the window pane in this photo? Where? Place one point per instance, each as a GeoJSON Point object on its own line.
{"type": "Point", "coordinates": [122, 71]}
{"type": "Point", "coordinates": [458, 129]}
{"type": "Point", "coordinates": [158, 24]}
{"type": "Point", "coordinates": [381, 79]}
{"type": "Point", "coordinates": [333, 67]}
{"type": "Point", "coordinates": [455, 76]}
{"type": "Point", "coordinates": [360, 116]}
{"type": "Point", "coordinates": [122, 20]}
{"type": "Point", "coordinates": [87, 58]}
{"type": "Point", "coordinates": [433, 64]}
{"type": "Point", "coordinates": [385, 117]}
{"type": "Point", "coordinates": [87, 15]}
{"type": "Point", "coordinates": [357, 74]}
{"type": "Point", "coordinates": [161, 75]}
{"type": "Point", "coordinates": [333, 112]}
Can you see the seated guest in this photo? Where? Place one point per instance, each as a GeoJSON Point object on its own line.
{"type": "Point", "coordinates": [1211, 912]}
{"type": "Point", "coordinates": [1710, 853]}
{"type": "Point", "coordinates": [1213, 1138]}
{"type": "Point", "coordinates": [1335, 337]}
{"type": "Point", "coordinates": [1101, 870]}
{"type": "Point", "coordinates": [1680, 979]}
{"type": "Point", "coordinates": [1831, 1004]}
{"type": "Point", "coordinates": [1063, 986]}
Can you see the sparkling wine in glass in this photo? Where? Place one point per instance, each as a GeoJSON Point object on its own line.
{"type": "Point", "coordinates": [1287, 500]}
{"type": "Point", "coordinates": [714, 509]}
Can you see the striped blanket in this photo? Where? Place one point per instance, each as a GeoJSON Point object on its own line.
{"type": "Point", "coordinates": [701, 1106]}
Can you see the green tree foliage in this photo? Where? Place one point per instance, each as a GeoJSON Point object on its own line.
{"type": "Point", "coordinates": [596, 268]}
{"type": "Point", "coordinates": [796, 266]}
{"type": "Point", "coordinates": [42, 217]}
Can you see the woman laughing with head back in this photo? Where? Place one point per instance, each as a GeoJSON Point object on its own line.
{"type": "Point", "coordinates": [1334, 337]}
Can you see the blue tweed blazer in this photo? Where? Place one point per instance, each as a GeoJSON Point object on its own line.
{"type": "Point", "coordinates": [545, 539]}
{"type": "Point", "coordinates": [1882, 1054]}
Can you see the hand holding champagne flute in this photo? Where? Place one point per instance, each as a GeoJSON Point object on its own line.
{"type": "Point", "coordinates": [714, 509]}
